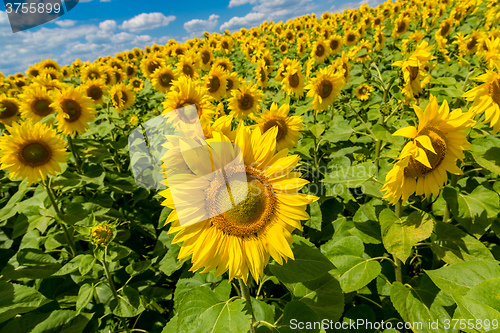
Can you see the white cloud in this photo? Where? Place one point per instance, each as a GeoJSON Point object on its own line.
{"type": "Point", "coordinates": [235, 3]}
{"type": "Point", "coordinates": [197, 26]}
{"type": "Point", "coordinates": [4, 19]}
{"type": "Point", "coordinates": [146, 21]}
{"type": "Point", "coordinates": [248, 19]}
{"type": "Point", "coordinates": [268, 10]}
{"type": "Point", "coordinates": [65, 23]}
{"type": "Point", "coordinates": [108, 25]}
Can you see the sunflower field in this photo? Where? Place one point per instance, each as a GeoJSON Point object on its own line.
{"type": "Point", "coordinates": [364, 193]}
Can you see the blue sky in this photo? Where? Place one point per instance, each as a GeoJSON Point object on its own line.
{"type": "Point", "coordinates": [104, 27]}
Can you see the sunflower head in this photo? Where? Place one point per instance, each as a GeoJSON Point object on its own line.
{"type": "Point", "coordinates": [35, 103]}
{"type": "Point", "coordinates": [434, 147]}
{"type": "Point", "coordinates": [325, 88]}
{"type": "Point", "coordinates": [216, 82]}
{"type": "Point", "coordinates": [102, 234]}
{"type": "Point", "coordinates": [74, 110]}
{"type": "Point", "coordinates": [363, 92]}
{"type": "Point", "coordinates": [9, 109]}
{"type": "Point", "coordinates": [163, 78]}
{"type": "Point", "coordinates": [245, 101]}
{"type": "Point", "coordinates": [31, 151]}
{"type": "Point", "coordinates": [122, 96]}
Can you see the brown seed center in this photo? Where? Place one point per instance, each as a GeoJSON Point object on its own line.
{"type": "Point", "coordinates": [438, 141]}
{"type": "Point", "coordinates": [35, 154]}
{"type": "Point", "coordinates": [72, 109]}
{"type": "Point", "coordinates": [246, 102]}
{"type": "Point", "coordinates": [10, 109]}
{"type": "Point", "coordinates": [494, 91]}
{"type": "Point", "coordinates": [325, 88]}
{"type": "Point", "coordinates": [282, 128]}
{"type": "Point", "coordinates": [41, 107]}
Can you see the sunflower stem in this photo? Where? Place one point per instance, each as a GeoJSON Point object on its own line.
{"type": "Point", "coordinates": [78, 161]}
{"type": "Point", "coordinates": [112, 285]}
{"type": "Point", "coordinates": [52, 198]}
{"type": "Point", "coordinates": [315, 175]}
{"type": "Point", "coordinates": [398, 268]}
{"type": "Point", "coordinates": [378, 145]}
{"type": "Point", "coordinates": [245, 292]}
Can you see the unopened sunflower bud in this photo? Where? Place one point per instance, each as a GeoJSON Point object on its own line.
{"type": "Point", "coordinates": [367, 74]}
{"type": "Point", "coordinates": [386, 109]}
{"type": "Point", "coordinates": [102, 234]}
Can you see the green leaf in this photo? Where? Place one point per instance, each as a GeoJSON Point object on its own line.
{"type": "Point", "coordinates": [63, 321]}
{"type": "Point", "coordinates": [382, 133]}
{"type": "Point", "coordinates": [202, 311]}
{"type": "Point", "coordinates": [262, 311]}
{"type": "Point", "coordinates": [416, 307]}
{"type": "Point", "coordinates": [297, 313]}
{"type": "Point", "coordinates": [475, 211]}
{"type": "Point", "coordinates": [16, 299]}
{"type": "Point", "coordinates": [32, 264]}
{"type": "Point", "coordinates": [169, 263]}
{"type": "Point", "coordinates": [129, 303]}
{"type": "Point", "coordinates": [486, 152]}
{"type": "Point", "coordinates": [353, 176]}
{"type": "Point", "coordinates": [452, 245]}
{"type": "Point", "coordinates": [460, 277]}
{"type": "Point", "coordinates": [309, 263]}
{"type": "Point", "coordinates": [350, 245]}
{"type": "Point", "coordinates": [481, 302]}
{"type": "Point", "coordinates": [400, 235]}
{"type": "Point", "coordinates": [354, 272]}
{"type": "Point", "coordinates": [323, 295]}
{"type": "Point", "coordinates": [85, 295]}
{"type": "Point", "coordinates": [340, 130]}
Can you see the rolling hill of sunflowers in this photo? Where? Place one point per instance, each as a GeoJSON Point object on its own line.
{"type": "Point", "coordinates": [369, 139]}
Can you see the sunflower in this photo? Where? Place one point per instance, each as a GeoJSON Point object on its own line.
{"type": "Point", "coordinates": [365, 46]}
{"type": "Point", "coordinates": [486, 98]}
{"type": "Point", "coordinates": [35, 103]}
{"type": "Point", "coordinates": [401, 26]}
{"type": "Point", "coordinates": [136, 84]}
{"type": "Point", "coordinates": [324, 88]}
{"type": "Point", "coordinates": [432, 151]}
{"type": "Point", "coordinates": [351, 38]}
{"type": "Point", "coordinates": [216, 82]}
{"type": "Point", "coordinates": [282, 68]}
{"type": "Point", "coordinates": [289, 127]}
{"type": "Point", "coordinates": [91, 71]}
{"type": "Point", "coordinates": [95, 89]}
{"type": "Point", "coordinates": [206, 56]}
{"type": "Point", "coordinates": [379, 38]}
{"type": "Point", "coordinates": [445, 28]}
{"type": "Point", "coordinates": [233, 82]}
{"type": "Point", "coordinates": [283, 47]}
{"type": "Point", "coordinates": [162, 78]}
{"type": "Point", "coordinates": [121, 96]}
{"type": "Point", "coordinates": [261, 74]}
{"type": "Point", "coordinates": [245, 101]}
{"type": "Point", "coordinates": [31, 151]}
{"type": "Point", "coordinates": [319, 50]}
{"type": "Point", "coordinates": [414, 75]}
{"type": "Point", "coordinates": [225, 63]}
{"type": "Point", "coordinates": [75, 109]}
{"type": "Point", "coordinates": [49, 64]}
{"type": "Point", "coordinates": [47, 82]}
{"type": "Point", "coordinates": [294, 80]}
{"type": "Point", "coordinates": [186, 92]}
{"type": "Point", "coordinates": [363, 92]}
{"type": "Point", "coordinates": [187, 66]}
{"type": "Point", "coordinates": [151, 63]}
{"type": "Point", "coordinates": [9, 109]}
{"type": "Point", "coordinates": [33, 71]}
{"type": "Point", "coordinates": [239, 238]}
{"type": "Point", "coordinates": [335, 44]}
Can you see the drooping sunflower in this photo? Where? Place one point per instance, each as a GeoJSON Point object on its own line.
{"type": "Point", "coordinates": [31, 151]}
{"type": "Point", "coordinates": [434, 147]}
{"type": "Point", "coordinates": [401, 26]}
{"type": "Point", "coordinates": [324, 88]}
{"type": "Point", "coordinates": [9, 109]}
{"type": "Point", "coordinates": [363, 92]}
{"type": "Point", "coordinates": [245, 101]}
{"type": "Point", "coordinates": [74, 110]}
{"type": "Point", "coordinates": [289, 127]}
{"type": "Point", "coordinates": [95, 89]}
{"type": "Point", "coordinates": [415, 78]}
{"type": "Point", "coordinates": [237, 231]}
{"type": "Point", "coordinates": [294, 80]}
{"type": "Point", "coordinates": [233, 82]}
{"type": "Point", "coordinates": [185, 93]}
{"type": "Point", "coordinates": [163, 78]}
{"type": "Point", "coordinates": [121, 96]}
{"type": "Point", "coordinates": [261, 74]}
{"type": "Point", "coordinates": [35, 103]}
{"type": "Point", "coordinates": [486, 98]}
